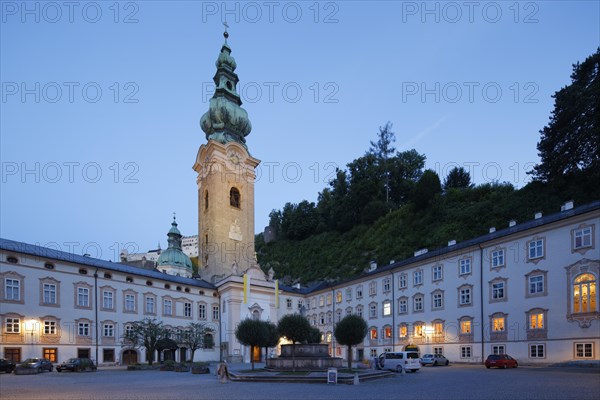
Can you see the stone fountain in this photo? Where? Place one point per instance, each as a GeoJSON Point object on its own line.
{"type": "Point", "coordinates": [312, 357]}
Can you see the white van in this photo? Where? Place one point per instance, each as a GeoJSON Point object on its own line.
{"type": "Point", "coordinates": [403, 360]}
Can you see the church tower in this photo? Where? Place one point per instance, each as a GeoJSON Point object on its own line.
{"type": "Point", "coordinates": [226, 174]}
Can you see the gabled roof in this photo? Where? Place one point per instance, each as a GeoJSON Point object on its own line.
{"type": "Point", "coordinates": [45, 252]}
{"type": "Point", "coordinates": [457, 247]}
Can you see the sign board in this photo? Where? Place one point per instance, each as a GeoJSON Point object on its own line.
{"type": "Point", "coordinates": [332, 374]}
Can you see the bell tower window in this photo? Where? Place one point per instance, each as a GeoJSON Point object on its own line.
{"type": "Point", "coordinates": [206, 200]}
{"type": "Point", "coordinates": [234, 197]}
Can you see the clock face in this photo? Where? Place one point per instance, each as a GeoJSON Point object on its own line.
{"type": "Point", "coordinates": [233, 156]}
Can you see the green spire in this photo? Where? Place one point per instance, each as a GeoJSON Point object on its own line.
{"type": "Point", "coordinates": [225, 120]}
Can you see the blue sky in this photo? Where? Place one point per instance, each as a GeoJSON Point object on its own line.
{"type": "Point", "coordinates": [101, 101]}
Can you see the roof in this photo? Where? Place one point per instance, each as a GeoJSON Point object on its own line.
{"type": "Point", "coordinates": [525, 226]}
{"type": "Point", "coordinates": [45, 252]}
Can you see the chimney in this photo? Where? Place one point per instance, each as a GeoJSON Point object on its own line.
{"type": "Point", "coordinates": [512, 223]}
{"type": "Point", "coordinates": [451, 243]}
{"type": "Point", "coordinates": [567, 206]}
{"type": "Point", "coordinates": [492, 229]}
{"type": "Point", "coordinates": [538, 215]}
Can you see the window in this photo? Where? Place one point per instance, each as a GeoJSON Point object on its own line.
{"type": "Point", "coordinates": [536, 284]}
{"type": "Point", "coordinates": [465, 266]}
{"type": "Point", "coordinates": [206, 199]}
{"type": "Point", "coordinates": [12, 289]}
{"type": "Point", "coordinates": [465, 351]}
{"type": "Point", "coordinates": [215, 313]}
{"type": "Point", "coordinates": [108, 300]}
{"type": "Point", "coordinates": [168, 307]}
{"type": "Point", "coordinates": [338, 296]}
{"type": "Point", "coordinates": [438, 351]}
{"type": "Point", "coordinates": [322, 318]}
{"type": "Point", "coordinates": [313, 303]}
{"type": "Point", "coordinates": [349, 311]}
{"type": "Point", "coordinates": [402, 305]}
{"type": "Point", "coordinates": [387, 332]}
{"type": "Point", "coordinates": [49, 293]}
{"type": "Point", "coordinates": [338, 315]}
{"type": "Point", "coordinates": [465, 327]}
{"type": "Point", "coordinates": [498, 349]}
{"type": "Point", "coordinates": [129, 302]}
{"type": "Point", "coordinates": [108, 330]}
{"type": "Point", "coordinates": [187, 310]}
{"type": "Point", "coordinates": [359, 310]}
{"type": "Point", "coordinates": [584, 350]}
{"type": "Point", "coordinates": [418, 329]}
{"type": "Point", "coordinates": [373, 310]}
{"type": "Point", "coordinates": [372, 288]}
{"type": "Point", "coordinates": [438, 328]}
{"type": "Point", "coordinates": [209, 342]}
{"type": "Point", "coordinates": [150, 304]}
{"type": "Point", "coordinates": [403, 331]}
{"type": "Point", "coordinates": [373, 333]}
{"type": "Point", "coordinates": [329, 317]}
{"type": "Point", "coordinates": [536, 320]}
{"type": "Point", "coordinates": [387, 285]}
{"type": "Point", "coordinates": [537, 351]}
{"type": "Point", "coordinates": [108, 355]}
{"type": "Point", "coordinates": [359, 292]}
{"type": "Point", "coordinates": [498, 291]}
{"type": "Point", "coordinates": [464, 295]}
{"type": "Point", "coordinates": [418, 303]}
{"type": "Point", "coordinates": [83, 329]}
{"type": "Point", "coordinates": [51, 353]}
{"type": "Point", "coordinates": [49, 327]}
{"type": "Point", "coordinates": [12, 325]}
{"type": "Point", "coordinates": [83, 297]}
{"type": "Point", "coordinates": [373, 352]}
{"type": "Point", "coordinates": [288, 303]}
{"type": "Point", "coordinates": [321, 301]}
{"type": "Point", "coordinates": [584, 294]}
{"type": "Point", "coordinates": [582, 238]}
{"type": "Point", "coordinates": [498, 258]}
{"type": "Point", "coordinates": [402, 281]}
{"type": "Point", "coordinates": [436, 273]}
{"type": "Point", "coordinates": [498, 324]}
{"type": "Point", "coordinates": [329, 299]}
{"type": "Point", "coordinates": [437, 300]}
{"type": "Point", "coordinates": [535, 249]}
{"type": "Point", "coordinates": [417, 278]}
{"type": "Point", "coordinates": [234, 197]}
{"type": "Point", "coordinates": [348, 294]}
{"type": "Point", "coordinates": [387, 308]}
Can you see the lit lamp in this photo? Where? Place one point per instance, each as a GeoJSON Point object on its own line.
{"type": "Point", "coordinates": [428, 332]}
{"type": "Point", "coordinates": [30, 326]}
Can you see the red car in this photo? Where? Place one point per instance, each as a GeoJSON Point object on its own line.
{"type": "Point", "coordinates": [501, 361]}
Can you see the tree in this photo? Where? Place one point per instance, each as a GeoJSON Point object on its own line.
{"type": "Point", "coordinates": [383, 150]}
{"type": "Point", "coordinates": [426, 189]}
{"type": "Point", "coordinates": [458, 178]}
{"type": "Point", "coordinates": [570, 143]}
{"type": "Point", "coordinates": [295, 328]}
{"type": "Point", "coordinates": [146, 334]}
{"type": "Point", "coordinates": [271, 338]}
{"type": "Point", "coordinates": [251, 332]}
{"type": "Point", "coordinates": [193, 337]}
{"type": "Point", "coordinates": [165, 343]}
{"type": "Point", "coordinates": [350, 331]}
{"type": "Point", "coordinates": [314, 336]}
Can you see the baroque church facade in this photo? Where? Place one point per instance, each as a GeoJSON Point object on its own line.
{"type": "Point", "coordinates": [529, 290]}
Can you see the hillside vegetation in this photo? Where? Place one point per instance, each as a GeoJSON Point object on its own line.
{"type": "Point", "coordinates": [385, 206]}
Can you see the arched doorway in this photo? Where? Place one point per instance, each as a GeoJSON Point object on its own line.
{"type": "Point", "coordinates": [129, 357]}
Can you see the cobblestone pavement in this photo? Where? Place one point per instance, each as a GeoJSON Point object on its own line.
{"type": "Point", "coordinates": [453, 382]}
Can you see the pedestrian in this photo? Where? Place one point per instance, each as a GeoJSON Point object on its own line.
{"type": "Point", "coordinates": [222, 372]}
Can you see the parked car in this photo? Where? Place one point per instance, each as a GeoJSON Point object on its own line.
{"type": "Point", "coordinates": [7, 365]}
{"type": "Point", "coordinates": [400, 361]}
{"type": "Point", "coordinates": [434, 359]}
{"type": "Point", "coordinates": [501, 361]}
{"type": "Point", "coordinates": [39, 364]}
{"type": "Point", "coordinates": [76, 364]}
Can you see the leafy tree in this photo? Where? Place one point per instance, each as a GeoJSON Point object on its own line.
{"type": "Point", "coordinates": [314, 336]}
{"type": "Point", "coordinates": [350, 331]}
{"type": "Point", "coordinates": [165, 343]}
{"type": "Point", "coordinates": [458, 178]}
{"type": "Point", "coordinates": [296, 328]}
{"type": "Point", "coordinates": [251, 332]}
{"type": "Point", "coordinates": [570, 143]}
{"type": "Point", "coordinates": [271, 338]}
{"type": "Point", "coordinates": [146, 334]}
{"type": "Point", "coordinates": [193, 336]}
{"type": "Point", "coordinates": [427, 187]}
{"type": "Point", "coordinates": [405, 170]}
{"type": "Point", "coordinates": [383, 147]}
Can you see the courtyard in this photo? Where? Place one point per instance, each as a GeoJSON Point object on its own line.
{"type": "Point", "coordinates": [453, 382]}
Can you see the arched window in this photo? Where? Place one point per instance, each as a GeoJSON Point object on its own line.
{"type": "Point", "coordinates": [234, 197]}
{"type": "Point", "coordinates": [255, 315]}
{"type": "Point", "coordinates": [584, 293]}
